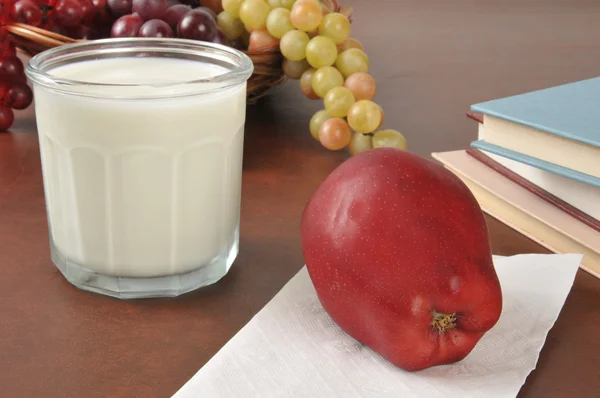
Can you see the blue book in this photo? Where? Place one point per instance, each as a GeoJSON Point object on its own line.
{"type": "Point", "coordinates": [540, 164]}
{"type": "Point", "coordinates": [556, 129]}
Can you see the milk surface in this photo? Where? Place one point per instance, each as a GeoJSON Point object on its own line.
{"type": "Point", "coordinates": [144, 187]}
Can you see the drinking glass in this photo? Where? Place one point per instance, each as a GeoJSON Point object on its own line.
{"type": "Point", "coordinates": [141, 149]}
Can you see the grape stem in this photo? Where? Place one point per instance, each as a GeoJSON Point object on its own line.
{"type": "Point", "coordinates": [334, 6]}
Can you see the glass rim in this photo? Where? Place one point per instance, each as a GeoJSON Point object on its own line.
{"type": "Point", "coordinates": [39, 66]}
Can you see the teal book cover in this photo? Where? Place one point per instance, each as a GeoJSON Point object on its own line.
{"type": "Point", "coordinates": [540, 164]}
{"type": "Point", "coordinates": [571, 110]}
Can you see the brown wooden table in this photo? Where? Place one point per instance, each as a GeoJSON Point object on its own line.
{"type": "Point", "coordinates": [432, 59]}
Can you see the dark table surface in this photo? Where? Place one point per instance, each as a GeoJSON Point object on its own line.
{"type": "Point", "coordinates": [432, 59]}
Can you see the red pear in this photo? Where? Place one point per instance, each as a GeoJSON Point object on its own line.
{"type": "Point", "coordinates": [398, 251]}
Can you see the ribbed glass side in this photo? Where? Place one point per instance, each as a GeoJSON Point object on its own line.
{"type": "Point", "coordinates": [116, 229]}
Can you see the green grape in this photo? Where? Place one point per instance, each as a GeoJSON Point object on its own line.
{"type": "Point", "coordinates": [352, 61]}
{"type": "Point", "coordinates": [306, 84]}
{"type": "Point", "coordinates": [231, 27]}
{"type": "Point", "coordinates": [295, 69]}
{"type": "Point", "coordinates": [254, 13]}
{"type": "Point", "coordinates": [317, 2]}
{"type": "Point", "coordinates": [306, 15]}
{"type": "Point", "coordinates": [335, 26]}
{"type": "Point", "coordinates": [389, 139]}
{"type": "Point", "coordinates": [262, 41]}
{"type": "Point", "coordinates": [364, 116]}
{"type": "Point", "coordinates": [279, 23]}
{"type": "Point", "coordinates": [275, 3]}
{"type": "Point", "coordinates": [293, 45]}
{"type": "Point", "coordinates": [287, 4]}
{"type": "Point", "coordinates": [325, 79]}
{"type": "Point", "coordinates": [360, 143]}
{"type": "Point", "coordinates": [321, 51]}
{"type": "Point", "coordinates": [324, 8]}
{"type": "Point", "coordinates": [350, 43]}
{"type": "Point", "coordinates": [362, 85]}
{"type": "Point", "coordinates": [316, 121]}
{"type": "Point", "coordinates": [335, 134]}
{"type": "Point", "coordinates": [338, 100]}
{"type": "Point", "coordinates": [233, 7]}
{"type": "Point", "coordinates": [382, 117]}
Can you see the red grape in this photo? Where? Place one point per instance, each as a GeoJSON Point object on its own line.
{"type": "Point", "coordinates": [99, 5]}
{"type": "Point", "coordinates": [7, 47]}
{"type": "Point", "coordinates": [4, 89]}
{"type": "Point", "coordinates": [19, 96]}
{"type": "Point", "coordinates": [55, 28]}
{"type": "Point", "coordinates": [5, 7]}
{"type": "Point", "coordinates": [11, 69]}
{"type": "Point", "coordinates": [82, 32]}
{"type": "Point", "coordinates": [174, 14]}
{"type": "Point", "coordinates": [26, 11]}
{"type": "Point", "coordinates": [209, 11]}
{"type": "Point", "coordinates": [102, 18]}
{"type": "Point", "coordinates": [88, 10]}
{"type": "Point", "coordinates": [102, 15]}
{"type": "Point", "coordinates": [238, 44]}
{"type": "Point", "coordinates": [150, 9]}
{"type": "Point", "coordinates": [155, 28]}
{"type": "Point", "coordinates": [103, 31]}
{"type": "Point", "coordinates": [11, 51]}
{"type": "Point", "coordinates": [191, 3]}
{"type": "Point", "coordinates": [197, 25]}
{"type": "Point", "coordinates": [7, 117]}
{"type": "Point", "coordinates": [126, 26]}
{"type": "Point", "coordinates": [221, 39]}
{"type": "Point", "coordinates": [118, 8]}
{"type": "Point", "coordinates": [68, 13]}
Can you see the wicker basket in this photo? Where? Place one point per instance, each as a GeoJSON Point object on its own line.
{"type": "Point", "coordinates": [267, 65]}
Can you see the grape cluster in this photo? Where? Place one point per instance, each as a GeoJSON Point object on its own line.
{"type": "Point", "coordinates": [316, 44]}
{"type": "Point", "coordinates": [14, 91]}
{"type": "Point", "coordinates": [332, 67]}
{"type": "Point", "coordinates": [329, 65]}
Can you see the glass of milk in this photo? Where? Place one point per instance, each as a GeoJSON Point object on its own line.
{"type": "Point", "coordinates": [141, 148]}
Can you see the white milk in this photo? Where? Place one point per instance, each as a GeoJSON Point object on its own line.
{"type": "Point", "coordinates": [142, 188]}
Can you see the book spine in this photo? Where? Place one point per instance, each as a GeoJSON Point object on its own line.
{"type": "Point", "coordinates": [536, 190]}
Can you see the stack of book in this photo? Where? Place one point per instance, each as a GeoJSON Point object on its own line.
{"type": "Point", "coordinates": [536, 166]}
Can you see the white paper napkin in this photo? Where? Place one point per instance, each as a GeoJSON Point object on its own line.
{"type": "Point", "coordinates": [291, 348]}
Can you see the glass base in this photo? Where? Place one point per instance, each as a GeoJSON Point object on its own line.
{"type": "Point", "coordinates": [136, 288]}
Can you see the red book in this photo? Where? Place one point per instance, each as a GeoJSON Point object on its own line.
{"type": "Point", "coordinates": [478, 117]}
